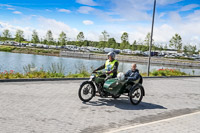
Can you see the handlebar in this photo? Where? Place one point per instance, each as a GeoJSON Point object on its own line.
{"type": "Point", "coordinates": [99, 72]}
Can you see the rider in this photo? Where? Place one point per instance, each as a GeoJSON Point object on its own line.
{"type": "Point", "coordinates": [111, 66]}
{"type": "Point", "coordinates": [133, 74]}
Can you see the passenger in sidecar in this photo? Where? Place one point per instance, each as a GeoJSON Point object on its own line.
{"type": "Point", "coordinates": [133, 75]}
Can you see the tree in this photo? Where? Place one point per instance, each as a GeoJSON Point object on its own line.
{"type": "Point", "coordinates": [80, 37]}
{"type": "Point", "coordinates": [124, 37]}
{"type": "Point", "coordinates": [160, 47]}
{"type": "Point", "coordinates": [165, 47]}
{"type": "Point", "coordinates": [148, 39]}
{"type": "Point", "coordinates": [185, 49]}
{"type": "Point", "coordinates": [19, 36]}
{"type": "Point", "coordinates": [103, 39]}
{"type": "Point", "coordinates": [176, 42]}
{"type": "Point", "coordinates": [193, 49]}
{"type": "Point", "coordinates": [112, 43]}
{"type": "Point", "coordinates": [189, 49]}
{"type": "Point", "coordinates": [35, 38]}
{"type": "Point", "coordinates": [6, 34]}
{"type": "Point", "coordinates": [49, 38]}
{"type": "Point", "coordinates": [134, 45]}
{"type": "Point", "coordinates": [62, 38]}
{"type": "Point", "coordinates": [85, 43]}
{"type": "Point", "coordinates": [105, 36]}
{"type": "Point", "coordinates": [124, 41]}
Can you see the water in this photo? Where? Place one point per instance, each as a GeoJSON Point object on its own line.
{"type": "Point", "coordinates": [16, 62]}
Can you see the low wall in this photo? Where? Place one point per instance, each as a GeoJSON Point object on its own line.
{"type": "Point", "coordinates": [124, 58]}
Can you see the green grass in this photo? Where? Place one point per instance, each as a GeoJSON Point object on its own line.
{"type": "Point", "coordinates": [6, 48]}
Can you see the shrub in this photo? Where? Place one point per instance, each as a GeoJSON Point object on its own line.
{"type": "Point", "coordinates": [167, 72]}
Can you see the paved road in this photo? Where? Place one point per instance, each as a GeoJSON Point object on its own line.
{"type": "Point", "coordinates": [50, 107]}
{"type": "Point", "coordinates": [188, 123]}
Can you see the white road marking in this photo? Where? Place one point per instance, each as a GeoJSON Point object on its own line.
{"type": "Point", "coordinates": [149, 123]}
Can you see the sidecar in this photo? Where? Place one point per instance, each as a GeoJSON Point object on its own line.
{"type": "Point", "coordinates": [133, 89]}
{"type": "Point", "coordinates": [112, 87]}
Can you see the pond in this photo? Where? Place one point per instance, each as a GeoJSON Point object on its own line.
{"type": "Point", "coordinates": [16, 61]}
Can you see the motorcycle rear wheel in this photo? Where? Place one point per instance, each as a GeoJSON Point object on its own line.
{"type": "Point", "coordinates": [86, 91]}
{"type": "Point", "coordinates": [136, 95]}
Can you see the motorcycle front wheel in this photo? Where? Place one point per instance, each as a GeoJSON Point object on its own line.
{"type": "Point", "coordinates": [86, 91]}
{"type": "Point", "coordinates": [136, 95]}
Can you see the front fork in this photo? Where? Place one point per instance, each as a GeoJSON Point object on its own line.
{"type": "Point", "coordinates": [99, 88]}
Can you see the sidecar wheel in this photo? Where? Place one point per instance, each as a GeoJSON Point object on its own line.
{"type": "Point", "coordinates": [86, 91]}
{"type": "Point", "coordinates": [136, 95]}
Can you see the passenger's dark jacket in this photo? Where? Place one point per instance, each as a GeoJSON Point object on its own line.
{"type": "Point", "coordinates": [132, 75]}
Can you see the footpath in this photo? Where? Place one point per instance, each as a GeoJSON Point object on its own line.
{"type": "Point", "coordinates": [170, 105]}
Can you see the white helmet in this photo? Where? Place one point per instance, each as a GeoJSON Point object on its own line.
{"type": "Point", "coordinates": [112, 54]}
{"type": "Point", "coordinates": [120, 76]}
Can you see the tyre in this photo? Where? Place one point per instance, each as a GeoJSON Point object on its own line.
{"type": "Point", "coordinates": [86, 91]}
{"type": "Point", "coordinates": [136, 94]}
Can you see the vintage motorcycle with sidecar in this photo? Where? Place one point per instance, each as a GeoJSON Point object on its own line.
{"type": "Point", "coordinates": [113, 87]}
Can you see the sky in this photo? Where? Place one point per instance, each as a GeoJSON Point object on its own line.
{"type": "Point", "coordinates": [92, 17]}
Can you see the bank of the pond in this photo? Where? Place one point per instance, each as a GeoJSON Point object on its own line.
{"type": "Point", "coordinates": [25, 50]}
{"type": "Point", "coordinates": [127, 58]}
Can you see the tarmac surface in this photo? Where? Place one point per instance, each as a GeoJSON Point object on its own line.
{"type": "Point", "coordinates": [170, 105]}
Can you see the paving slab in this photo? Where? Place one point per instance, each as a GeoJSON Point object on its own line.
{"type": "Point", "coordinates": [54, 106]}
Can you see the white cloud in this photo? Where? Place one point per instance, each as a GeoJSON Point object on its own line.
{"type": "Point", "coordinates": [166, 2]}
{"type": "Point", "coordinates": [132, 9]}
{"type": "Point", "coordinates": [14, 28]}
{"type": "Point", "coordinates": [91, 35]}
{"type": "Point", "coordinates": [5, 5]}
{"type": "Point", "coordinates": [57, 27]}
{"type": "Point", "coordinates": [162, 14]}
{"type": "Point", "coordinates": [44, 24]}
{"type": "Point", "coordinates": [137, 10]}
{"type": "Point", "coordinates": [64, 10]}
{"type": "Point", "coordinates": [17, 12]}
{"type": "Point", "coordinates": [87, 2]}
{"type": "Point", "coordinates": [175, 17]}
{"type": "Point", "coordinates": [10, 8]}
{"type": "Point", "coordinates": [48, 10]}
{"type": "Point", "coordinates": [189, 7]}
{"type": "Point", "coordinates": [88, 22]}
{"type": "Point", "coordinates": [85, 9]}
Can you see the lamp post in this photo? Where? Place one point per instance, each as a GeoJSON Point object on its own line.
{"type": "Point", "coordinates": [151, 37]}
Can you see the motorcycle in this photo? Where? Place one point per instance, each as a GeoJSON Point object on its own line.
{"type": "Point", "coordinates": [114, 87]}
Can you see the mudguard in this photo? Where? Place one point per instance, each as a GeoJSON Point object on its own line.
{"type": "Point", "coordinates": [140, 85]}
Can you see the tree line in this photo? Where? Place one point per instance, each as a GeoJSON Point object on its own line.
{"type": "Point", "coordinates": [104, 41]}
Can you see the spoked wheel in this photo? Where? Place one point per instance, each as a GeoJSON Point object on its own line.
{"type": "Point", "coordinates": [86, 91]}
{"type": "Point", "coordinates": [136, 95]}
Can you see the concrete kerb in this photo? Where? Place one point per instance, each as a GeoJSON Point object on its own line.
{"type": "Point", "coordinates": [47, 79]}
{"type": "Point", "coordinates": [58, 79]}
